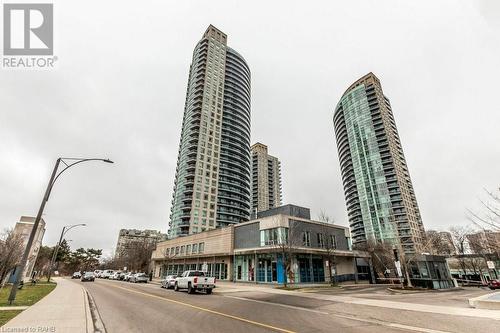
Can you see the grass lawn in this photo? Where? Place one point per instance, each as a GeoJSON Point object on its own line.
{"type": "Point", "coordinates": [29, 295]}
{"type": "Point", "coordinates": [5, 316]}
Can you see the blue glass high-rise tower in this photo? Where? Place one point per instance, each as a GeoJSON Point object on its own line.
{"type": "Point", "coordinates": [381, 202]}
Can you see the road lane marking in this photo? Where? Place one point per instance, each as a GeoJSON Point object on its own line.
{"type": "Point", "coordinates": [282, 305]}
{"type": "Point", "coordinates": [206, 310]}
{"type": "Point", "coordinates": [370, 321]}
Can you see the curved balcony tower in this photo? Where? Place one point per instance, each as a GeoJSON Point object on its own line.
{"type": "Point", "coordinates": [212, 182]}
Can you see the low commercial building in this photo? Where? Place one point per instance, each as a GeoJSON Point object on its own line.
{"type": "Point", "coordinates": [210, 251]}
{"type": "Point", "coordinates": [430, 271]}
{"type": "Point", "coordinates": [281, 243]}
{"type": "Point", "coordinates": [473, 267]}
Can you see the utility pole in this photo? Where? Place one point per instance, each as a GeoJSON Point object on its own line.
{"type": "Point", "coordinates": [21, 266]}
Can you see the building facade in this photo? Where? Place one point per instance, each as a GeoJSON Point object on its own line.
{"type": "Point", "coordinates": [212, 182]}
{"type": "Point", "coordinates": [260, 250]}
{"type": "Point", "coordinates": [484, 242]}
{"type": "Point", "coordinates": [381, 202]}
{"type": "Point", "coordinates": [130, 239]}
{"type": "Point", "coordinates": [266, 179]}
{"type": "Point", "coordinates": [23, 228]}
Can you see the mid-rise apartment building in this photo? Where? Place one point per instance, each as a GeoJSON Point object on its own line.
{"type": "Point", "coordinates": [266, 179]}
{"type": "Point", "coordinates": [23, 229]}
{"type": "Point", "coordinates": [130, 239]}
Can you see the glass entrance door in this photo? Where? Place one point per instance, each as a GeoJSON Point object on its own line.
{"type": "Point", "coordinates": [274, 272]}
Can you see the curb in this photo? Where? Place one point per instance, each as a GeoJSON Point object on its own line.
{"type": "Point", "coordinates": [484, 302]}
{"type": "Point", "coordinates": [89, 324]}
{"type": "Point", "coordinates": [402, 291]}
{"type": "Point", "coordinates": [94, 321]}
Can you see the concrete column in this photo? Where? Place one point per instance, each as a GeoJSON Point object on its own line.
{"type": "Point", "coordinates": [355, 270]}
{"type": "Point", "coordinates": [311, 274]}
{"type": "Point", "coordinates": [255, 265]}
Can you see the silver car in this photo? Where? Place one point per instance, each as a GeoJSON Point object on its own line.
{"type": "Point", "coordinates": [139, 277]}
{"type": "Point", "coordinates": [168, 282]}
{"type": "Point", "coordinates": [127, 276]}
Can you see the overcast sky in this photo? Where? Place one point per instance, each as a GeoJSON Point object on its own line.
{"type": "Point", "coordinates": [119, 86]}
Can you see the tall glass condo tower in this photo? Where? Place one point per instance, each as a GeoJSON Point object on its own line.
{"type": "Point", "coordinates": [381, 202]}
{"type": "Point", "coordinates": [212, 182]}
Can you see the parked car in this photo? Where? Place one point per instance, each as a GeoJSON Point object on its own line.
{"type": "Point", "coordinates": [122, 275]}
{"type": "Point", "coordinates": [107, 273]}
{"type": "Point", "coordinates": [127, 276]}
{"type": "Point", "coordinates": [139, 277]}
{"type": "Point", "coordinates": [88, 276]}
{"type": "Point", "coordinates": [76, 275]}
{"type": "Point", "coordinates": [168, 282]}
{"type": "Point", "coordinates": [494, 284]}
{"type": "Point", "coordinates": [194, 281]}
{"type": "Point", "coordinates": [115, 275]}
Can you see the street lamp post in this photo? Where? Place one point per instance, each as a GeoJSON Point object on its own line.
{"type": "Point", "coordinates": [68, 162]}
{"type": "Point", "coordinates": [65, 229]}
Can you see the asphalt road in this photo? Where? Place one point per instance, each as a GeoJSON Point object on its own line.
{"type": "Point", "coordinates": [126, 307]}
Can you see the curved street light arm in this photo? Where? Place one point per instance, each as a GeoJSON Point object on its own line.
{"type": "Point", "coordinates": [78, 160]}
{"type": "Point", "coordinates": [69, 227]}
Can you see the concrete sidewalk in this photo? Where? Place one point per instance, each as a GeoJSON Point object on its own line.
{"type": "Point", "coordinates": [65, 310]}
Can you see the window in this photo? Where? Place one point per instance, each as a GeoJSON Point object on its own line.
{"type": "Point", "coordinates": [195, 248]}
{"type": "Point", "coordinates": [306, 238]}
{"type": "Point", "coordinates": [321, 242]}
{"type": "Point", "coordinates": [273, 236]}
{"type": "Point", "coordinates": [177, 250]}
{"type": "Point", "coordinates": [333, 242]}
{"type": "Point", "coordinates": [201, 247]}
{"type": "Point", "coordinates": [182, 249]}
{"type": "Point", "coordinates": [188, 249]}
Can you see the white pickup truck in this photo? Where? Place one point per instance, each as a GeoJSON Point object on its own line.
{"type": "Point", "coordinates": [193, 281]}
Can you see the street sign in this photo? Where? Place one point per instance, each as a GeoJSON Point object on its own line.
{"type": "Point", "coordinates": [491, 264]}
{"type": "Point", "coordinates": [326, 263]}
{"type": "Point", "coordinates": [125, 268]}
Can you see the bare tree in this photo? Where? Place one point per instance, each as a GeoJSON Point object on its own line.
{"type": "Point", "coordinates": [285, 243]}
{"type": "Point", "coordinates": [437, 245]}
{"type": "Point", "coordinates": [11, 251]}
{"type": "Point", "coordinates": [137, 255]}
{"type": "Point", "coordinates": [168, 256]}
{"type": "Point", "coordinates": [324, 217]}
{"type": "Point", "coordinates": [329, 244]}
{"type": "Point", "coordinates": [459, 235]}
{"type": "Point", "coordinates": [382, 255]}
{"type": "Point", "coordinates": [489, 218]}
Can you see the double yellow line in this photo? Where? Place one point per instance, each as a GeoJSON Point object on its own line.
{"type": "Point", "coordinates": [256, 323]}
